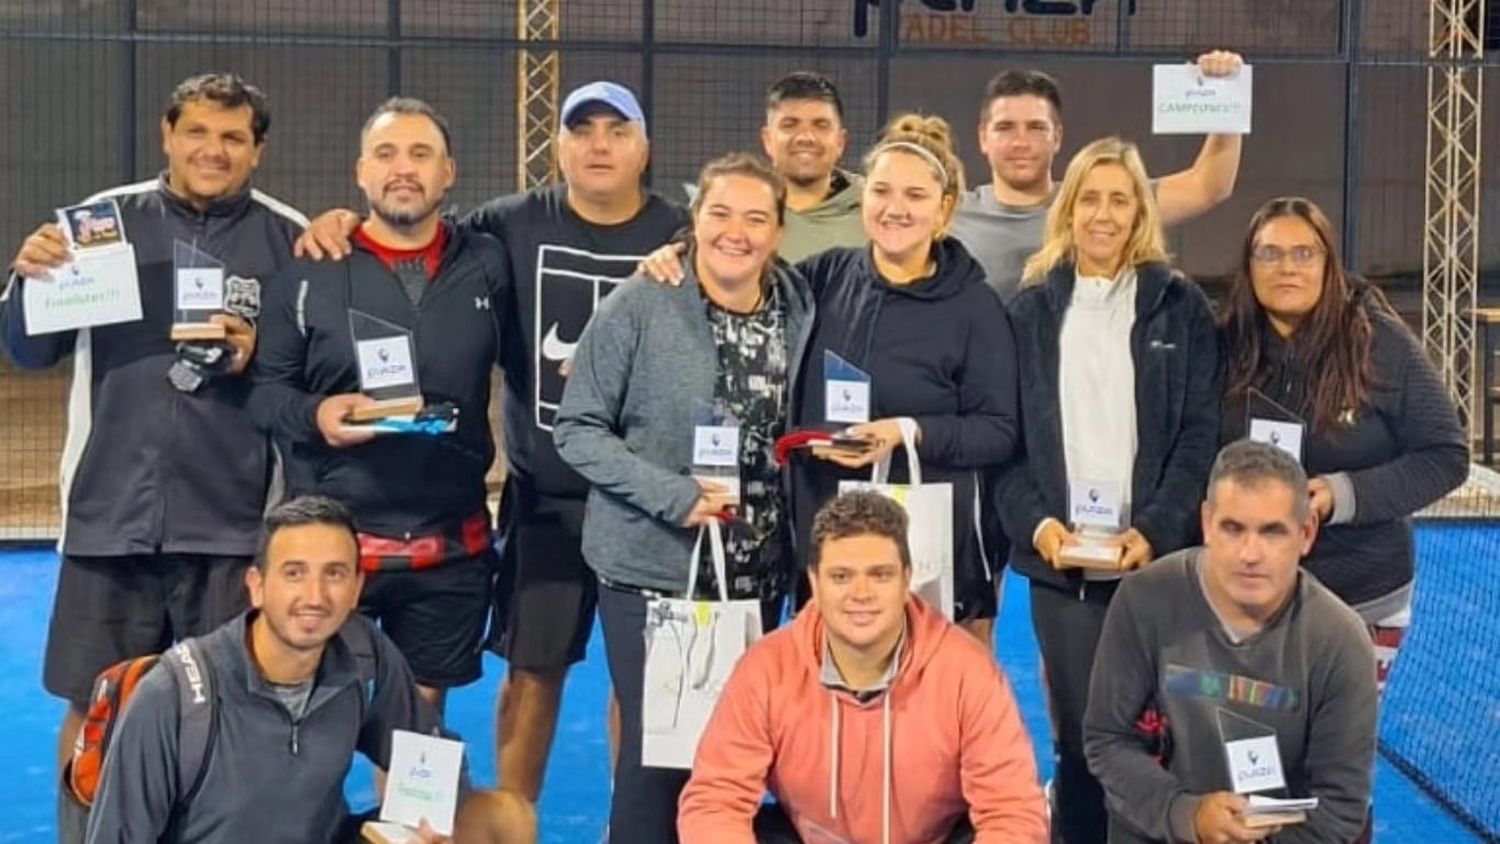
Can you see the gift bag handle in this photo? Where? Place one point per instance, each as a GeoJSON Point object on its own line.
{"type": "Point", "coordinates": [715, 550]}
{"type": "Point", "coordinates": [881, 472]}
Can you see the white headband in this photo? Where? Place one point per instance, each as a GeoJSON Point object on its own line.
{"type": "Point", "coordinates": [921, 152]}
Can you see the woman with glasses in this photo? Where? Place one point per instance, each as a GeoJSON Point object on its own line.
{"type": "Point", "coordinates": [1321, 365]}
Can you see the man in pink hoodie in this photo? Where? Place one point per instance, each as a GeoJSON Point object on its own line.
{"type": "Point", "coordinates": [870, 718]}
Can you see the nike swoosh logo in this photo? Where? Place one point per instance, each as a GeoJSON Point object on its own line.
{"type": "Point", "coordinates": [553, 347]}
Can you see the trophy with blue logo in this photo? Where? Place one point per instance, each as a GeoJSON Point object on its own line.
{"type": "Point", "coordinates": [1095, 513]}
{"type": "Point", "coordinates": [716, 447]}
{"type": "Point", "coordinates": [198, 292]}
{"type": "Point", "coordinates": [386, 355]}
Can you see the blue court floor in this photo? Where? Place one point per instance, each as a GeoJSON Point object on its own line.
{"type": "Point", "coordinates": [576, 798]}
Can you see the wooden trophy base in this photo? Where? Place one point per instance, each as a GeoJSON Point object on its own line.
{"type": "Point", "coordinates": [198, 331]}
{"type": "Point", "coordinates": [1092, 557]}
{"type": "Point", "coordinates": [378, 832]}
{"type": "Point", "coordinates": [408, 406]}
{"type": "Point", "coordinates": [1260, 820]}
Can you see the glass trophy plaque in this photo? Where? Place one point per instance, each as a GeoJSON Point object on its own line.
{"type": "Point", "coordinates": [386, 356]}
{"type": "Point", "coordinates": [198, 293]}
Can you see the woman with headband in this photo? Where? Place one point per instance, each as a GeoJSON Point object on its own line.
{"type": "Point", "coordinates": [912, 312]}
{"type": "Point", "coordinates": [1120, 397]}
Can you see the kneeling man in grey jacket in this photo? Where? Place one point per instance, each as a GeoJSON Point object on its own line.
{"type": "Point", "coordinates": [292, 690]}
{"type": "Point", "coordinates": [1226, 672]}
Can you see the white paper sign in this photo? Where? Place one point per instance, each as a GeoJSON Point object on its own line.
{"type": "Point", "coordinates": [1254, 764]}
{"type": "Point", "coordinates": [1185, 102]}
{"type": "Point", "coordinates": [422, 782]}
{"type": "Point", "coordinates": [385, 362]}
{"type": "Point", "coordinates": [1286, 436]}
{"type": "Point", "coordinates": [100, 287]}
{"type": "Point", "coordinates": [1094, 503]}
{"type": "Point", "coordinates": [847, 401]}
{"type": "Point", "coordinates": [200, 289]}
{"type": "Point", "coordinates": [716, 445]}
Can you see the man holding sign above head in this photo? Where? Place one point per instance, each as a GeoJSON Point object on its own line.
{"type": "Point", "coordinates": [1021, 132]}
{"type": "Point", "coordinates": [1259, 681]}
{"type": "Point", "coordinates": [377, 370]}
{"type": "Point", "coordinates": [164, 477]}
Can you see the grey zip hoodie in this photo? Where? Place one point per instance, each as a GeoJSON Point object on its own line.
{"type": "Point", "coordinates": [268, 777]}
{"type": "Point", "coordinates": [645, 361]}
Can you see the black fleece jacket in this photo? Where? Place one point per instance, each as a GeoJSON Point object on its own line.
{"type": "Point", "coordinates": [938, 350]}
{"type": "Point", "coordinates": [1178, 382]}
{"type": "Point", "coordinates": [394, 485]}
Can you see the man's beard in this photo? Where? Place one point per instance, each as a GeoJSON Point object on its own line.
{"type": "Point", "coordinates": [804, 178]}
{"type": "Point", "coordinates": [404, 218]}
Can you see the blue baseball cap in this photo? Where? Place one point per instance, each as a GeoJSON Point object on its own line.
{"type": "Point", "coordinates": [616, 98]}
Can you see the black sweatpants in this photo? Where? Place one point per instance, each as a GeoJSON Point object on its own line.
{"type": "Point", "coordinates": [1067, 625]}
{"type": "Point", "coordinates": [643, 808]}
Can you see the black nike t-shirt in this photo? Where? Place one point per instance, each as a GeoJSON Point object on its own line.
{"type": "Point", "coordinates": [563, 267]}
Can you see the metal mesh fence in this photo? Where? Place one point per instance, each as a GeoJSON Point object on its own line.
{"type": "Point", "coordinates": [1340, 95]}
{"type": "Point", "coordinates": [1339, 117]}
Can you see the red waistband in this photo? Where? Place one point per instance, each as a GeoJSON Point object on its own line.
{"type": "Point", "coordinates": [468, 538]}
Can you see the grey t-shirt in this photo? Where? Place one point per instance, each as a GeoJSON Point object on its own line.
{"type": "Point", "coordinates": [294, 696]}
{"type": "Point", "coordinates": [1000, 237]}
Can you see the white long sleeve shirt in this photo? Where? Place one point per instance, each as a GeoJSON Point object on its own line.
{"type": "Point", "coordinates": [1096, 384]}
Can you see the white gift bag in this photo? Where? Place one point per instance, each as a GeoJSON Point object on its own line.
{"type": "Point", "coordinates": [691, 648]}
{"type": "Point", "coordinates": [929, 513]}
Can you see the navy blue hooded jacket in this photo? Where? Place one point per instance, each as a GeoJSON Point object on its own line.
{"type": "Point", "coordinates": [938, 350]}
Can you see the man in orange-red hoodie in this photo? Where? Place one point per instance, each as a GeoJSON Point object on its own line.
{"type": "Point", "coordinates": [870, 718]}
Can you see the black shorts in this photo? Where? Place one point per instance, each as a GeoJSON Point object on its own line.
{"type": "Point", "coordinates": [109, 609]}
{"type": "Point", "coordinates": [546, 595]}
{"type": "Point", "coordinates": [976, 588]}
{"type": "Point", "coordinates": [436, 617]}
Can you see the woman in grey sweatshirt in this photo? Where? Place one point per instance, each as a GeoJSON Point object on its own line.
{"type": "Point", "coordinates": [655, 366]}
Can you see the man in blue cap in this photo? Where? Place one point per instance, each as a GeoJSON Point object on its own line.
{"type": "Point", "coordinates": [568, 246]}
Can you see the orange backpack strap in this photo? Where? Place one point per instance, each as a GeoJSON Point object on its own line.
{"type": "Point", "coordinates": [112, 689]}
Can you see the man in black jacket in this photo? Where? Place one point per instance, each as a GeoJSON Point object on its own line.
{"type": "Point", "coordinates": [417, 498]}
{"type": "Point", "coordinates": [567, 246]}
{"type": "Point", "coordinates": [162, 488]}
